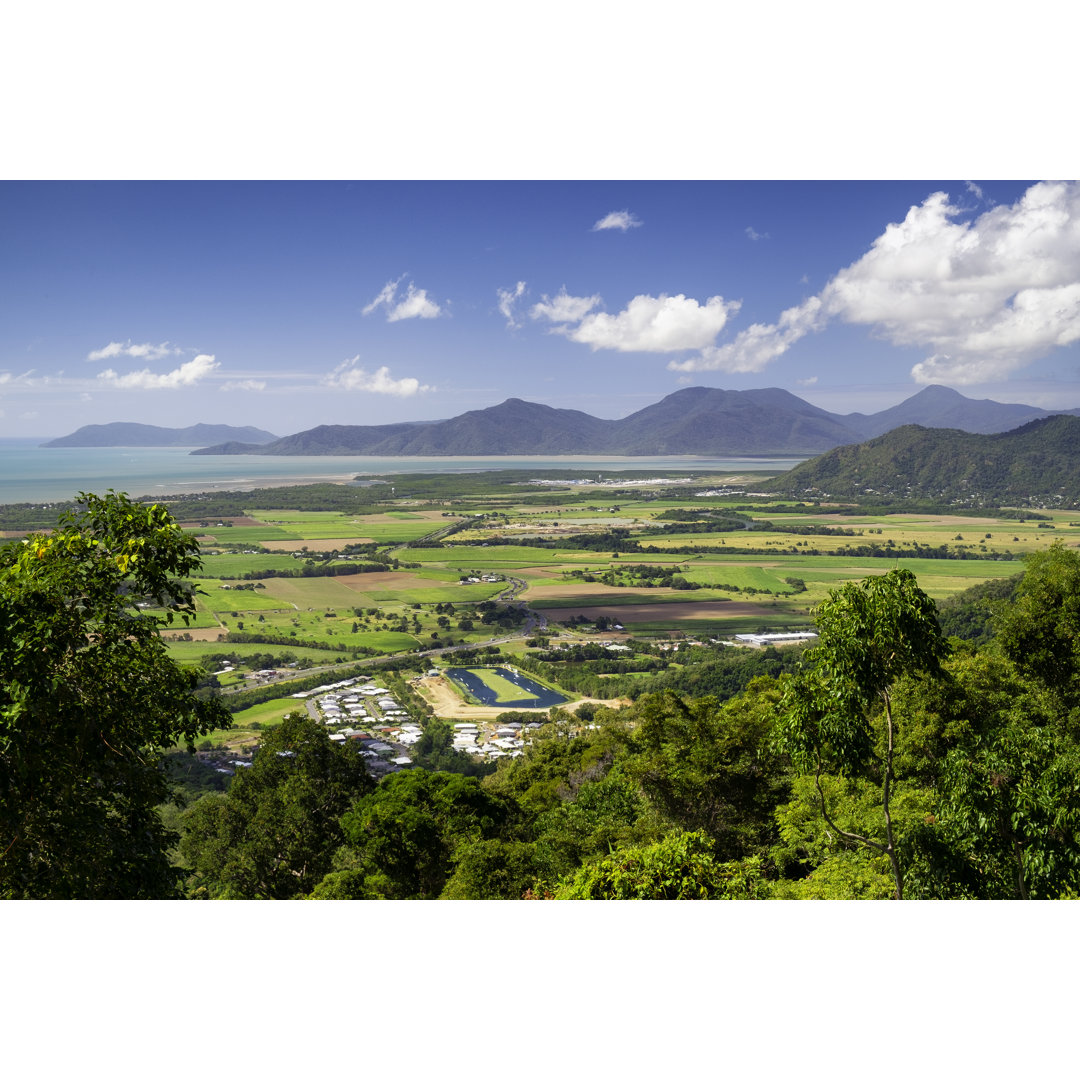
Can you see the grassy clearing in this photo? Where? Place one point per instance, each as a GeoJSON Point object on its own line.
{"type": "Point", "coordinates": [214, 598]}
{"type": "Point", "coordinates": [235, 566]}
{"type": "Point", "coordinates": [247, 534]}
{"type": "Point", "coordinates": [195, 652]}
{"type": "Point", "coordinates": [310, 593]}
{"type": "Point", "coordinates": [267, 713]}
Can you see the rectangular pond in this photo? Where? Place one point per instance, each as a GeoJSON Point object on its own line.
{"type": "Point", "coordinates": [495, 686]}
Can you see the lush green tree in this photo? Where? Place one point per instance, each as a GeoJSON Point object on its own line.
{"type": "Point", "coordinates": [1008, 823]}
{"type": "Point", "coordinates": [274, 834]}
{"type": "Point", "coordinates": [89, 700]}
{"type": "Point", "coordinates": [871, 633]}
{"type": "Point", "coordinates": [1039, 629]}
{"type": "Point", "coordinates": [402, 841]}
{"type": "Point", "coordinates": [812, 863]}
{"type": "Point", "coordinates": [604, 814]}
{"type": "Point", "coordinates": [552, 769]}
{"type": "Point", "coordinates": [995, 742]}
{"type": "Point", "coordinates": [493, 869]}
{"type": "Point", "coordinates": [682, 866]}
{"type": "Point", "coordinates": [711, 766]}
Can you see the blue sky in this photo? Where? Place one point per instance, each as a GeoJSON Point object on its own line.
{"type": "Point", "coordinates": [289, 304]}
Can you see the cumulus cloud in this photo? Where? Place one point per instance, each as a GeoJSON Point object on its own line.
{"type": "Point", "coordinates": [755, 235]}
{"type": "Point", "coordinates": [507, 299]}
{"type": "Point", "coordinates": [654, 324]}
{"type": "Point", "coordinates": [758, 344]}
{"type": "Point", "coordinates": [563, 308]}
{"type": "Point", "coordinates": [244, 384]}
{"type": "Point", "coordinates": [187, 374]}
{"type": "Point", "coordinates": [348, 376]}
{"type": "Point", "coordinates": [617, 219]}
{"type": "Point", "coordinates": [415, 304]}
{"type": "Point", "coordinates": [146, 351]}
{"type": "Point", "coordinates": [985, 297]}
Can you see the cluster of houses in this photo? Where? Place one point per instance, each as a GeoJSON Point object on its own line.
{"type": "Point", "coordinates": [505, 741]}
{"type": "Point", "coordinates": [384, 729]}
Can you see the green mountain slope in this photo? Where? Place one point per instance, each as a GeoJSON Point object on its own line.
{"type": "Point", "coordinates": [1035, 465]}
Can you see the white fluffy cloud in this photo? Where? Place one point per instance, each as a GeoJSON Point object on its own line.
{"type": "Point", "coordinates": [985, 297]}
{"type": "Point", "coordinates": [507, 299]}
{"type": "Point", "coordinates": [563, 308]}
{"type": "Point", "coordinates": [758, 344]}
{"type": "Point", "coordinates": [185, 375]}
{"type": "Point", "coordinates": [415, 304]}
{"type": "Point", "coordinates": [146, 351]}
{"type": "Point", "coordinates": [348, 376]}
{"type": "Point", "coordinates": [659, 324]}
{"type": "Point", "coordinates": [617, 219]}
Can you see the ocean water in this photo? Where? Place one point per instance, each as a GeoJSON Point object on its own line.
{"type": "Point", "coordinates": [31, 473]}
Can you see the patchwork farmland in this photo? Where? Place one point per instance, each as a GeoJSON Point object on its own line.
{"type": "Point", "coordinates": [503, 568]}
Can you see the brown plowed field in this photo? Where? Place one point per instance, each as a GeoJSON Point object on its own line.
{"type": "Point", "coordinates": [630, 613]}
{"type": "Point", "coordinates": [389, 579]}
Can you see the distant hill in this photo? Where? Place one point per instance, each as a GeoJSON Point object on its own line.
{"type": "Point", "coordinates": [940, 407]}
{"type": "Point", "coordinates": [124, 434]}
{"type": "Point", "coordinates": [1035, 465]}
{"type": "Point", "coordinates": [696, 420]}
{"type": "Point", "coordinates": [702, 420]}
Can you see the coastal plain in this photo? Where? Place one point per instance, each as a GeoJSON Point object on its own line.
{"type": "Point", "coordinates": [481, 562]}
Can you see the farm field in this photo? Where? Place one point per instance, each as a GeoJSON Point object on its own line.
{"type": "Point", "coordinates": [686, 582]}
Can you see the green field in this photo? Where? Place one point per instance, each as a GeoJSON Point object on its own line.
{"type": "Point", "coordinates": [195, 652]}
{"type": "Point", "coordinates": [420, 604]}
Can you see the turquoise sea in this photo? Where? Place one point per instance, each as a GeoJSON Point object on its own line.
{"type": "Point", "coordinates": [31, 473]}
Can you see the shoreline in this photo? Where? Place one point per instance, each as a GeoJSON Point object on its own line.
{"type": "Point", "coordinates": [30, 474]}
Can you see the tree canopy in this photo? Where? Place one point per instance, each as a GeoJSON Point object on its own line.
{"type": "Point", "coordinates": [89, 698]}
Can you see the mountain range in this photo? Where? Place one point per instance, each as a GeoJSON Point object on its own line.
{"type": "Point", "coordinates": [696, 420]}
{"type": "Point", "coordinates": [125, 434]}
